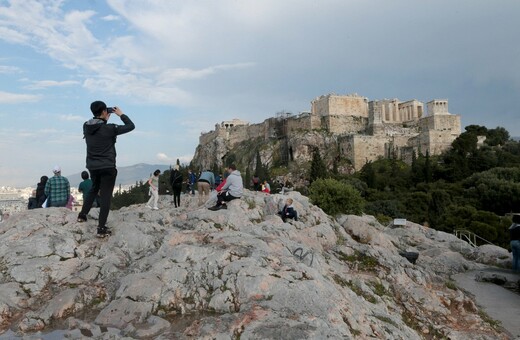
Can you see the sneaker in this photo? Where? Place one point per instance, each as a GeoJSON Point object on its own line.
{"type": "Point", "coordinates": [82, 218]}
{"type": "Point", "coordinates": [103, 232]}
{"type": "Point", "coordinates": [149, 207]}
{"type": "Point", "coordinates": [155, 208]}
{"type": "Point", "coordinates": [214, 208]}
{"type": "Point", "coordinates": [223, 206]}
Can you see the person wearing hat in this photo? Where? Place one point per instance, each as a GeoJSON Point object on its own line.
{"type": "Point", "coordinates": [100, 138]}
{"type": "Point", "coordinates": [176, 183]}
{"type": "Point", "coordinates": [57, 189]}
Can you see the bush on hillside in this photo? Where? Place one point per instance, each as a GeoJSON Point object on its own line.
{"type": "Point", "coordinates": [335, 197]}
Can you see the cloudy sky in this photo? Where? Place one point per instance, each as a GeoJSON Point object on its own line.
{"type": "Point", "coordinates": [177, 67]}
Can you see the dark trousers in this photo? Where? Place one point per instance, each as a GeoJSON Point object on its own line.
{"type": "Point", "coordinates": [177, 188]}
{"type": "Point", "coordinates": [103, 181]}
{"type": "Point", "coordinates": [224, 196]}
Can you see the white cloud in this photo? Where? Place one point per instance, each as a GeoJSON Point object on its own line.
{"type": "Point", "coordinates": [72, 118]}
{"type": "Point", "coordinates": [16, 98]}
{"type": "Point", "coordinates": [12, 36]}
{"type": "Point", "coordinates": [41, 84]}
{"type": "Point", "coordinates": [185, 159]}
{"type": "Point", "coordinates": [164, 158]}
{"type": "Point", "coordinates": [111, 18]}
{"type": "Point", "coordinates": [178, 74]}
{"type": "Point", "coordinates": [9, 69]}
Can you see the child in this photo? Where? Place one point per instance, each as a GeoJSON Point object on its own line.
{"type": "Point", "coordinates": [154, 190]}
{"type": "Point", "coordinates": [288, 211]}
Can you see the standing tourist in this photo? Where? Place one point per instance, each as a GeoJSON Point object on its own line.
{"type": "Point", "coordinates": [191, 182]}
{"type": "Point", "coordinates": [514, 233]}
{"type": "Point", "coordinates": [100, 138]}
{"type": "Point", "coordinates": [153, 182]}
{"type": "Point", "coordinates": [176, 183]}
{"type": "Point", "coordinates": [204, 184]}
{"type": "Point", "coordinates": [85, 185]}
{"type": "Point", "coordinates": [57, 189]}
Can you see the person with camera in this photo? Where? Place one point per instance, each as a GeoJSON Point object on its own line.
{"type": "Point", "coordinates": [100, 138]}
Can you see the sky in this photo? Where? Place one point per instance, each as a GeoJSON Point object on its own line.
{"type": "Point", "coordinates": [178, 67]}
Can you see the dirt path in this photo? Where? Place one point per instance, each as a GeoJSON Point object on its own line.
{"type": "Point", "coordinates": [498, 302]}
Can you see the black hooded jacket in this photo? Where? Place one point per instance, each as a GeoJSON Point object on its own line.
{"type": "Point", "coordinates": [101, 139]}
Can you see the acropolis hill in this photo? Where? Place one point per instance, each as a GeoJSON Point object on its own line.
{"type": "Point", "coordinates": [348, 128]}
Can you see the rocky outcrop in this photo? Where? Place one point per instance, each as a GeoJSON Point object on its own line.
{"type": "Point", "coordinates": [235, 273]}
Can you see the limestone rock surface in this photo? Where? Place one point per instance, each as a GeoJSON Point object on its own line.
{"type": "Point", "coordinates": [189, 273]}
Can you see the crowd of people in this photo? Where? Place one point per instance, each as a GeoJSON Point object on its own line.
{"type": "Point", "coordinates": [98, 183]}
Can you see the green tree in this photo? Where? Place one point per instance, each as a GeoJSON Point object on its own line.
{"type": "Point", "coordinates": [368, 174]}
{"type": "Point", "coordinates": [497, 136]}
{"type": "Point", "coordinates": [484, 224]}
{"type": "Point", "coordinates": [318, 168]}
{"type": "Point", "coordinates": [247, 179]}
{"type": "Point", "coordinates": [137, 194]}
{"type": "Point", "coordinates": [428, 173]}
{"type": "Point", "coordinates": [260, 169]}
{"type": "Point", "coordinates": [457, 159]}
{"type": "Point", "coordinates": [391, 208]}
{"type": "Point", "coordinates": [496, 190]}
{"type": "Point", "coordinates": [440, 200]}
{"type": "Point", "coordinates": [335, 197]}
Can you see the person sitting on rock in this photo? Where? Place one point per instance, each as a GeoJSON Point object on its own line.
{"type": "Point", "coordinates": [40, 191]}
{"type": "Point", "coordinates": [266, 187]}
{"type": "Point", "coordinates": [255, 183]}
{"type": "Point", "coordinates": [57, 189]}
{"type": "Point", "coordinates": [232, 189]}
{"type": "Point", "coordinates": [33, 201]}
{"type": "Point", "coordinates": [288, 211]}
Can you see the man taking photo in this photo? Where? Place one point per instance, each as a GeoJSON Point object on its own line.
{"type": "Point", "coordinates": [101, 159]}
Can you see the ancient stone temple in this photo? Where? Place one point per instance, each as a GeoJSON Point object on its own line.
{"type": "Point", "coordinates": [361, 130]}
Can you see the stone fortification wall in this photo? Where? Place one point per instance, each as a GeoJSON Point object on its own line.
{"type": "Point", "coordinates": [208, 137]}
{"type": "Point", "coordinates": [339, 124]}
{"type": "Point", "coordinates": [366, 148]}
{"type": "Point", "coordinates": [300, 122]}
{"type": "Point", "coordinates": [349, 105]}
{"type": "Point", "coordinates": [360, 149]}
{"type": "Point", "coordinates": [438, 132]}
{"type": "Point", "coordinates": [398, 129]}
{"type": "Point", "coordinates": [440, 122]}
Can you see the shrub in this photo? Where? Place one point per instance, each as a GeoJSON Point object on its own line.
{"type": "Point", "coordinates": [335, 197]}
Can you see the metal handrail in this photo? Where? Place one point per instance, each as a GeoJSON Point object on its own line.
{"type": "Point", "coordinates": [470, 237]}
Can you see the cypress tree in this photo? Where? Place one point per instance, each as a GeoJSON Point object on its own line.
{"type": "Point", "coordinates": [318, 169]}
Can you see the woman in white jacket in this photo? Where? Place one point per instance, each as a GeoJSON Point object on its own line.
{"type": "Point", "coordinates": [153, 182]}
